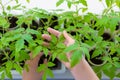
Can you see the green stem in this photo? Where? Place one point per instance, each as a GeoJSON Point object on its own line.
{"type": "Point", "coordinates": [108, 9]}
{"type": "Point", "coordinates": [3, 8]}
{"type": "Point", "coordinates": [6, 54]}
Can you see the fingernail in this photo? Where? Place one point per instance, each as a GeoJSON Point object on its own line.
{"type": "Point", "coordinates": [48, 29]}
{"type": "Point", "coordinates": [43, 35]}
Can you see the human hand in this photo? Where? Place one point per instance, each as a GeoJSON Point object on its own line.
{"type": "Point", "coordinates": [32, 64]}
{"type": "Point", "coordinates": [81, 71]}
{"type": "Point", "coordinates": [68, 41]}
{"type": "Point", "coordinates": [32, 73]}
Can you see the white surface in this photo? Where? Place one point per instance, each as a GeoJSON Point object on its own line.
{"type": "Point", "coordinates": [93, 5]}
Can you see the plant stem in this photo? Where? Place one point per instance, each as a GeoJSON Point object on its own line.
{"type": "Point", "coordinates": [3, 8]}
{"type": "Point", "coordinates": [108, 9]}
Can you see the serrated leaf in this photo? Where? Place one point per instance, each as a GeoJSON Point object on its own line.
{"type": "Point", "coordinates": [54, 39]}
{"type": "Point", "coordinates": [46, 51]}
{"type": "Point", "coordinates": [110, 72]}
{"type": "Point", "coordinates": [19, 30]}
{"type": "Point", "coordinates": [16, 36]}
{"type": "Point", "coordinates": [84, 9]}
{"type": "Point", "coordinates": [3, 22]}
{"type": "Point", "coordinates": [20, 21]}
{"type": "Point", "coordinates": [18, 68]}
{"type": "Point", "coordinates": [101, 31]}
{"type": "Point", "coordinates": [98, 39]}
{"type": "Point", "coordinates": [71, 47]}
{"type": "Point", "coordinates": [28, 1]}
{"type": "Point", "coordinates": [54, 55]}
{"type": "Point", "coordinates": [85, 45]}
{"type": "Point", "coordinates": [117, 64]}
{"type": "Point", "coordinates": [76, 57]}
{"type": "Point", "coordinates": [19, 45]}
{"type": "Point", "coordinates": [61, 38]}
{"type": "Point", "coordinates": [29, 39]}
{"type": "Point", "coordinates": [63, 57]}
{"type": "Point", "coordinates": [106, 66]}
{"type": "Point", "coordinates": [113, 22]}
{"type": "Point", "coordinates": [59, 2]}
{"type": "Point", "coordinates": [9, 65]}
{"type": "Point", "coordinates": [9, 74]}
{"type": "Point", "coordinates": [8, 7]}
{"type": "Point", "coordinates": [44, 77]}
{"type": "Point", "coordinates": [41, 67]}
{"type": "Point", "coordinates": [50, 64]}
{"type": "Point", "coordinates": [24, 55]}
{"type": "Point", "coordinates": [2, 77]}
{"type": "Point", "coordinates": [69, 4]}
{"type": "Point", "coordinates": [40, 42]}
{"type": "Point", "coordinates": [50, 73]}
{"type": "Point", "coordinates": [83, 2]}
{"type": "Point", "coordinates": [28, 30]}
{"type": "Point", "coordinates": [102, 21]}
{"type": "Point", "coordinates": [96, 53]}
{"type": "Point", "coordinates": [37, 50]}
{"type": "Point", "coordinates": [60, 45]}
{"type": "Point", "coordinates": [85, 51]}
{"type": "Point", "coordinates": [1, 69]}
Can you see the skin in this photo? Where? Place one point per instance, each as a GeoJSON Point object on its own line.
{"type": "Point", "coordinates": [81, 71]}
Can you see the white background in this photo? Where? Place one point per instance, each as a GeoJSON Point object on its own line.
{"type": "Point", "coordinates": [94, 6]}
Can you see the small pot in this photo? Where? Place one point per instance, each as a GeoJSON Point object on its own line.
{"type": "Point", "coordinates": [96, 61]}
{"type": "Point", "coordinates": [13, 21]}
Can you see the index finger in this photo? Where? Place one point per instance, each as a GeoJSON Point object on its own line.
{"type": "Point", "coordinates": [54, 32]}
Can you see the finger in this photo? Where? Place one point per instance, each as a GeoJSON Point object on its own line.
{"type": "Point", "coordinates": [37, 58]}
{"type": "Point", "coordinates": [67, 64]}
{"type": "Point", "coordinates": [46, 37]}
{"type": "Point", "coordinates": [54, 32]}
{"type": "Point", "coordinates": [46, 44]}
{"type": "Point", "coordinates": [69, 40]}
{"type": "Point", "coordinates": [45, 61]}
{"type": "Point", "coordinates": [67, 37]}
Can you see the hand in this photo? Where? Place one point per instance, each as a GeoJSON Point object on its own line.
{"type": "Point", "coordinates": [32, 64]}
{"type": "Point", "coordinates": [81, 71]}
{"type": "Point", "coordinates": [68, 41]}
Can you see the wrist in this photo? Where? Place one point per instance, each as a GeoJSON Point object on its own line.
{"type": "Point", "coordinates": [77, 67]}
{"type": "Point", "coordinates": [83, 71]}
